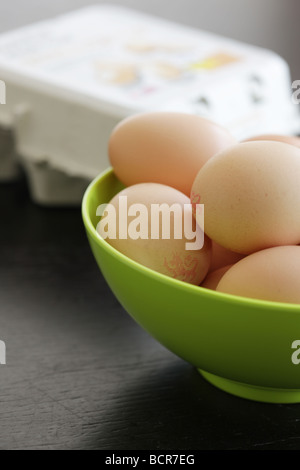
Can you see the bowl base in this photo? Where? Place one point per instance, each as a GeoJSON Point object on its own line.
{"type": "Point", "coordinates": [252, 392]}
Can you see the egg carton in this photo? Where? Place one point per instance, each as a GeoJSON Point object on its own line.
{"type": "Point", "coordinates": [71, 79]}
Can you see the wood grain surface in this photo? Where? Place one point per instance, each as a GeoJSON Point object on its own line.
{"type": "Point", "coordinates": [80, 373]}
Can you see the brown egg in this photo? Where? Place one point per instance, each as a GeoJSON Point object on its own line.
{"type": "Point", "coordinates": [251, 196]}
{"type": "Point", "coordinates": [213, 278]}
{"type": "Point", "coordinates": [271, 274]}
{"type": "Point", "coordinates": [163, 147]}
{"type": "Point", "coordinates": [292, 140]}
{"type": "Point", "coordinates": [139, 235]}
{"type": "Point", "coordinates": [221, 256]}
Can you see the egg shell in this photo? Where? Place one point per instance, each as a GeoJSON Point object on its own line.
{"type": "Point", "coordinates": [272, 274]}
{"type": "Point", "coordinates": [288, 139]}
{"type": "Point", "coordinates": [164, 147]}
{"type": "Point", "coordinates": [251, 196]}
{"type": "Point", "coordinates": [213, 278]}
{"type": "Point", "coordinates": [167, 256]}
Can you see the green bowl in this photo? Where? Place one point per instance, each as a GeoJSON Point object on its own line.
{"type": "Point", "coordinates": [240, 345]}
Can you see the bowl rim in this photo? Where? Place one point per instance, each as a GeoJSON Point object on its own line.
{"type": "Point", "coordinates": [228, 298]}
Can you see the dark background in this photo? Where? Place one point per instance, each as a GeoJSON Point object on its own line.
{"type": "Point", "coordinates": [80, 373]}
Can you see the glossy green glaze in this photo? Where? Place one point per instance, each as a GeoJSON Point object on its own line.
{"type": "Point", "coordinates": [240, 340]}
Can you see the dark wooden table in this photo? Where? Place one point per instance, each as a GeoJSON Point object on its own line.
{"type": "Point", "coordinates": [81, 374]}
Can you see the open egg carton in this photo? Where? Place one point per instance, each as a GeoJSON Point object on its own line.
{"type": "Point", "coordinates": [69, 81]}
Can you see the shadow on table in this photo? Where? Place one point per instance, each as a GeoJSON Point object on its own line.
{"type": "Point", "coordinates": [176, 409]}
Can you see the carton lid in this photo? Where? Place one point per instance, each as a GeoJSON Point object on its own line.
{"type": "Point", "coordinates": [121, 60]}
